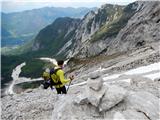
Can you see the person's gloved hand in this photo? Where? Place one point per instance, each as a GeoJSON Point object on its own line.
{"type": "Point", "coordinates": [71, 77]}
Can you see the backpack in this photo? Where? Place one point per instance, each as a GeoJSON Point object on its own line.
{"type": "Point", "coordinates": [53, 74]}
{"type": "Point", "coordinates": [46, 84]}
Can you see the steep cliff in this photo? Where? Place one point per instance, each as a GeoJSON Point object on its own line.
{"type": "Point", "coordinates": [56, 37]}
{"type": "Point", "coordinates": [126, 28]}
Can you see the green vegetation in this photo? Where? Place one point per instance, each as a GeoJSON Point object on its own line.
{"type": "Point", "coordinates": [18, 88]}
{"type": "Point", "coordinates": [114, 25]}
{"type": "Point", "coordinates": [16, 40]}
{"type": "Point", "coordinates": [76, 64]}
{"type": "Point", "coordinates": [30, 85]}
{"type": "Point", "coordinates": [33, 68]}
{"type": "Point", "coordinates": [8, 63]}
{"type": "Point", "coordinates": [18, 50]}
{"type": "Point", "coordinates": [29, 23]}
{"type": "Point", "coordinates": [52, 38]}
{"type": "Point", "coordinates": [89, 24]}
{"type": "Point", "coordinates": [106, 12]}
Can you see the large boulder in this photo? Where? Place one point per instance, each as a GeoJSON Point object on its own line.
{"type": "Point", "coordinates": [113, 95]}
{"type": "Point", "coordinates": [129, 115]}
{"type": "Point", "coordinates": [118, 116]}
{"type": "Point", "coordinates": [103, 96]}
{"type": "Point", "coordinates": [145, 103]}
{"type": "Point", "coordinates": [94, 75]}
{"type": "Point", "coordinates": [94, 97]}
{"type": "Point", "coordinates": [133, 114]}
{"type": "Point", "coordinates": [95, 91]}
{"type": "Point", "coordinates": [95, 84]}
{"type": "Point", "coordinates": [112, 100]}
{"type": "Point", "coordinates": [100, 95]}
{"type": "Point", "coordinates": [66, 108]}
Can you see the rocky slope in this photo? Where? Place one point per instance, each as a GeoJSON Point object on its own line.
{"type": "Point", "coordinates": [109, 30]}
{"type": "Point", "coordinates": [121, 81]}
{"type": "Point", "coordinates": [56, 37]}
{"type": "Point", "coordinates": [136, 25]}
{"type": "Point", "coordinates": [85, 28]}
{"type": "Point", "coordinates": [112, 89]}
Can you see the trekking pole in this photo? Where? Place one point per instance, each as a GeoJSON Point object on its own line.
{"type": "Point", "coordinates": [69, 85]}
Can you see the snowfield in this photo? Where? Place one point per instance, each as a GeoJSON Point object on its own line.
{"type": "Point", "coordinates": [151, 71]}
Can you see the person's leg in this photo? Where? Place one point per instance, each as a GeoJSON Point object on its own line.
{"type": "Point", "coordinates": [63, 89]}
{"type": "Point", "coordinates": [45, 85]}
{"type": "Point", "coordinates": [58, 90]}
{"type": "Point", "coordinates": [51, 87]}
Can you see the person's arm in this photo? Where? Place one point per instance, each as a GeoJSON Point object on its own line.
{"type": "Point", "coordinates": [60, 73]}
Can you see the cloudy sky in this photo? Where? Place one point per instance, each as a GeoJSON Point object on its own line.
{"type": "Point", "coordinates": [20, 5]}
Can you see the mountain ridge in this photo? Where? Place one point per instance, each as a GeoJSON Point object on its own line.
{"type": "Point", "coordinates": [99, 31]}
{"type": "Point", "coordinates": [139, 31]}
{"type": "Point", "coordinates": [22, 24]}
{"type": "Point", "coordinates": [116, 77]}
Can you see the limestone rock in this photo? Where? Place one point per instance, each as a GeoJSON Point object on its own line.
{"type": "Point", "coordinates": [81, 99]}
{"type": "Point", "coordinates": [144, 102]}
{"type": "Point", "coordinates": [118, 116]}
{"type": "Point", "coordinates": [95, 74]}
{"type": "Point", "coordinates": [95, 84]}
{"type": "Point", "coordinates": [112, 96]}
{"type": "Point", "coordinates": [94, 97]}
{"type": "Point", "coordinates": [133, 114]}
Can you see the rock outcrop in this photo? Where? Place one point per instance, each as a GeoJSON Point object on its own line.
{"type": "Point", "coordinates": [133, 26]}
{"type": "Point", "coordinates": [104, 101]}
{"type": "Point", "coordinates": [110, 29]}
{"type": "Point", "coordinates": [105, 89]}
{"type": "Point", "coordinates": [37, 105]}
{"type": "Point", "coordinates": [97, 99]}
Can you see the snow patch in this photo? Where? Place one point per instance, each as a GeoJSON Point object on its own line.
{"type": "Point", "coordinates": [144, 69]}
{"type": "Point", "coordinates": [15, 76]}
{"type": "Point", "coordinates": [126, 80]}
{"type": "Point", "coordinates": [153, 76]}
{"type": "Point", "coordinates": [138, 71]}
{"type": "Point", "coordinates": [110, 77]}
{"type": "Point", "coordinates": [49, 60]}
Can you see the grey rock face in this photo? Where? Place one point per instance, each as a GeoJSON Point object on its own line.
{"type": "Point", "coordinates": [130, 114]}
{"type": "Point", "coordinates": [90, 24]}
{"type": "Point", "coordinates": [94, 97]}
{"type": "Point", "coordinates": [28, 106]}
{"type": "Point", "coordinates": [142, 29]}
{"type": "Point", "coordinates": [112, 96]}
{"type": "Point", "coordinates": [95, 91]}
{"type": "Point", "coordinates": [89, 103]}
{"type": "Point", "coordinates": [99, 98]}
{"type": "Point", "coordinates": [85, 105]}
{"type": "Point", "coordinates": [94, 75]}
{"type": "Point", "coordinates": [70, 111]}
{"type": "Point", "coordinates": [145, 103]}
{"type": "Point", "coordinates": [102, 96]}
{"type": "Point", "coordinates": [95, 84]}
{"type": "Point", "coordinates": [81, 99]}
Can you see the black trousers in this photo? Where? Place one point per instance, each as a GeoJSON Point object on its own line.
{"type": "Point", "coordinates": [61, 90]}
{"type": "Point", "coordinates": [47, 84]}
